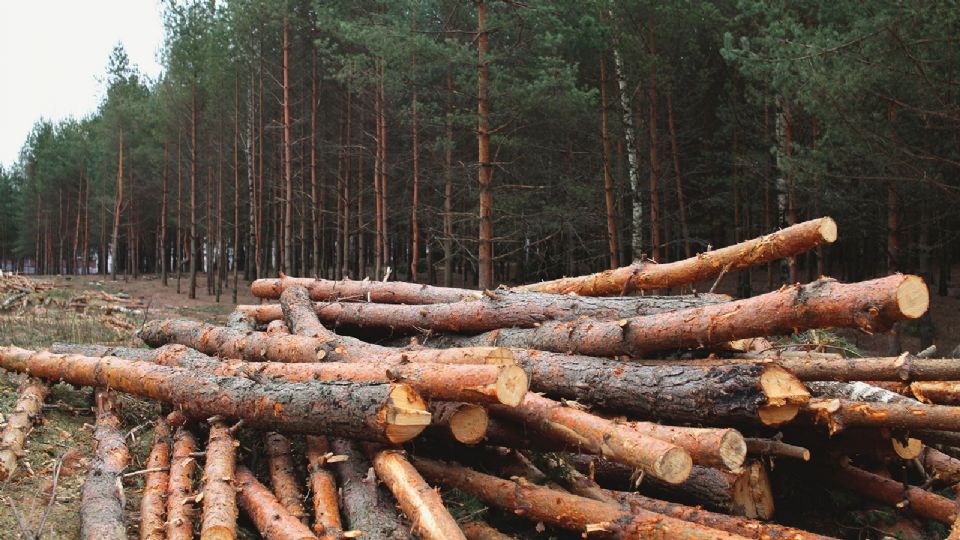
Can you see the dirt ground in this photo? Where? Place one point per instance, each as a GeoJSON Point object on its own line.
{"type": "Point", "coordinates": [65, 434]}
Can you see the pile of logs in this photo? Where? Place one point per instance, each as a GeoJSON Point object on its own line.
{"type": "Point", "coordinates": [16, 290]}
{"type": "Point", "coordinates": [580, 404]}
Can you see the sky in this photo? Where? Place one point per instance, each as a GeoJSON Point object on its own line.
{"type": "Point", "coordinates": [53, 54]}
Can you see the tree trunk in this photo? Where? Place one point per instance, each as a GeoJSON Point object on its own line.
{"type": "Point", "coordinates": [636, 221]}
{"type": "Point", "coordinates": [323, 487]}
{"type": "Point", "coordinates": [26, 412]}
{"type": "Point", "coordinates": [415, 199]}
{"type": "Point", "coordinates": [607, 159]}
{"type": "Point", "coordinates": [681, 204]}
{"type": "Point", "coordinates": [394, 292]}
{"type": "Point", "coordinates": [153, 504]}
{"type": "Point", "coordinates": [385, 412]}
{"type": "Point", "coordinates": [644, 276]}
{"type": "Point", "coordinates": [101, 497]}
{"type": "Point", "coordinates": [117, 210]}
{"type": "Point", "coordinates": [283, 479]}
{"type": "Point", "coordinates": [419, 502]}
{"type": "Point", "coordinates": [654, 158]}
{"type": "Point", "coordinates": [219, 493]}
{"type": "Point", "coordinates": [448, 187]}
{"type": "Point", "coordinates": [485, 171]}
{"type": "Point", "coordinates": [163, 222]}
{"type": "Point", "coordinates": [287, 157]}
{"type": "Point", "coordinates": [269, 516]}
{"type": "Point", "coordinates": [193, 193]}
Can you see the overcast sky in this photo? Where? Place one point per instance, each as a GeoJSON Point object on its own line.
{"type": "Point", "coordinates": [52, 53]}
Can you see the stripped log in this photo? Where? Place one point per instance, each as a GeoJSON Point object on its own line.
{"type": "Point", "coordinates": [283, 478]}
{"type": "Point", "coordinates": [616, 441]}
{"type": "Point", "coordinates": [153, 502]}
{"type": "Point", "coordinates": [890, 492]}
{"type": "Point", "coordinates": [366, 507]}
{"type": "Point", "coordinates": [495, 309]}
{"type": "Point", "coordinates": [745, 492]}
{"type": "Point", "coordinates": [594, 518]}
{"type": "Point", "coordinates": [872, 306]}
{"type": "Point", "coordinates": [262, 347]}
{"type": "Point", "coordinates": [101, 497]}
{"type": "Point", "coordinates": [749, 528]}
{"type": "Point", "coordinates": [181, 499]}
{"type": "Point", "coordinates": [392, 292]}
{"type": "Point", "coordinates": [644, 275]}
{"type": "Point", "coordinates": [450, 382]}
{"type": "Point", "coordinates": [269, 516]}
{"type": "Point", "coordinates": [383, 412]}
{"type": "Point", "coordinates": [26, 411]}
{"type": "Point", "coordinates": [420, 502]}
{"type": "Point", "coordinates": [771, 447]}
{"type": "Point", "coordinates": [326, 513]}
{"type": "Point", "coordinates": [478, 530]}
{"type": "Point", "coordinates": [707, 446]}
{"type": "Point", "coordinates": [219, 519]}
{"type": "Point", "coordinates": [465, 422]}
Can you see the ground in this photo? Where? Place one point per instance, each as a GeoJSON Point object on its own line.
{"type": "Point", "coordinates": [65, 435]}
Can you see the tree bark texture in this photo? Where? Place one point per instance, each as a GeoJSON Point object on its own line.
{"type": "Point", "coordinates": [385, 292]}
{"type": "Point", "coordinates": [896, 368]}
{"type": "Point", "coordinates": [101, 497]}
{"type": "Point", "coordinates": [283, 477]}
{"type": "Point", "coordinates": [872, 306]}
{"type": "Point", "coordinates": [890, 492]}
{"type": "Point", "coordinates": [26, 411]}
{"type": "Point", "coordinates": [384, 412]}
{"type": "Point", "coordinates": [420, 502]}
{"type": "Point", "coordinates": [269, 516]}
{"type": "Point", "coordinates": [153, 503]}
{"type": "Point", "coordinates": [180, 494]}
{"type": "Point", "coordinates": [323, 488]}
{"type": "Point", "coordinates": [219, 492]}
{"type": "Point", "coordinates": [645, 275]}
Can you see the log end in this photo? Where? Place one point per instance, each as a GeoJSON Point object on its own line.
{"type": "Point", "coordinates": [753, 494]}
{"type": "Point", "coordinates": [828, 230]}
{"type": "Point", "coordinates": [673, 466]}
{"type": "Point", "coordinates": [733, 449]}
{"type": "Point", "coordinates": [405, 414]}
{"type": "Point", "coordinates": [499, 356]}
{"type": "Point", "coordinates": [913, 298]}
{"type": "Point", "coordinates": [909, 449]}
{"type": "Point", "coordinates": [469, 424]}
{"type": "Point", "coordinates": [512, 385]}
{"type": "Point", "coordinates": [785, 395]}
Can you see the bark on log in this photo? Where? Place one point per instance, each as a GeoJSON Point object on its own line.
{"type": "Point", "coordinates": [495, 309]}
{"type": "Point", "coordinates": [451, 382]}
{"type": "Point", "coordinates": [645, 276]}
{"type": "Point", "coordinates": [326, 512]}
{"type": "Point", "coordinates": [770, 447]}
{"type": "Point", "coordinates": [219, 492]}
{"type": "Point", "coordinates": [557, 467]}
{"type": "Point", "coordinates": [943, 467]}
{"type": "Point", "coordinates": [712, 447]}
{"type": "Point", "coordinates": [839, 414]}
{"type": "Point", "coordinates": [871, 306]}
{"type": "Point", "coordinates": [749, 528]}
{"type": "Point", "coordinates": [382, 412]}
{"type": "Point", "coordinates": [890, 492]}
{"type": "Point", "coordinates": [392, 292]}
{"type": "Point", "coordinates": [153, 504]}
{"type": "Point", "coordinates": [946, 391]}
{"type": "Point", "coordinates": [269, 516]}
{"type": "Point", "coordinates": [597, 519]}
{"type": "Point", "coordinates": [746, 492]}
{"type": "Point", "coordinates": [278, 328]}
{"type": "Point", "coordinates": [420, 502]}
{"type": "Point", "coordinates": [465, 422]}
{"type": "Point", "coordinates": [900, 368]}
{"type": "Point", "coordinates": [26, 411]}
{"type": "Point", "coordinates": [101, 497]}
{"type": "Point", "coordinates": [366, 507]}
{"type": "Point", "coordinates": [262, 347]}
{"type": "Point", "coordinates": [283, 479]}
{"type": "Point", "coordinates": [180, 496]}
{"type": "Point", "coordinates": [240, 320]}
{"type": "Point", "coordinates": [616, 441]}
{"type": "Point", "coordinates": [478, 530]}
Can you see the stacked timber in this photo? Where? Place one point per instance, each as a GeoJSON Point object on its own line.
{"type": "Point", "coordinates": [576, 403]}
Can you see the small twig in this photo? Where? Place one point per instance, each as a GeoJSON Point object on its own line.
{"type": "Point", "coordinates": [53, 497]}
{"type": "Point", "coordinates": [722, 273]}
{"type": "Point", "coordinates": [144, 471]}
{"type": "Point", "coordinates": [24, 530]}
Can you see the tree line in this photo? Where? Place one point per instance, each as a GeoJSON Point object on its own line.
{"type": "Point", "coordinates": [492, 141]}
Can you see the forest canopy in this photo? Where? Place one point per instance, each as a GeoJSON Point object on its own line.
{"type": "Point", "coordinates": [502, 141]}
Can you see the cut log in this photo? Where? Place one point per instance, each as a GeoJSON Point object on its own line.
{"type": "Point", "coordinates": [749, 528]}
{"type": "Point", "coordinates": [269, 516]}
{"type": "Point", "coordinates": [746, 492]}
{"type": "Point", "coordinates": [556, 465]}
{"type": "Point", "coordinates": [943, 392]}
{"type": "Point", "coordinates": [101, 497]}
{"type": "Point", "coordinates": [153, 503]}
{"type": "Point", "coordinates": [899, 368]}
{"type": "Point", "coordinates": [941, 466]}
{"type": "Point", "coordinates": [219, 492]}
{"type": "Point", "coordinates": [707, 446]}
{"type": "Point", "coordinates": [890, 492]}
{"type": "Point", "coordinates": [478, 530]}
{"type": "Point", "coordinates": [26, 411]}
{"type": "Point", "coordinates": [382, 412]}
{"type": "Point", "coordinates": [387, 292]}
{"type": "Point", "coordinates": [770, 447]}
{"type": "Point", "coordinates": [740, 393]}
{"type": "Point", "coordinates": [365, 507]}
{"type": "Point", "coordinates": [240, 320]}
{"type": "Point", "coordinates": [839, 414]}
{"type": "Point", "coordinates": [262, 347]}
{"type": "Point", "coordinates": [451, 382]}
{"type": "Point", "coordinates": [872, 306]}
{"type": "Point", "coordinates": [180, 496]}
{"type": "Point", "coordinates": [326, 512]}
{"type": "Point", "coordinates": [616, 441]}
{"type": "Point", "coordinates": [465, 422]}
{"type": "Point", "coordinates": [283, 478]}
{"type": "Point", "coordinates": [643, 275]}
{"type": "Point", "coordinates": [594, 518]}
{"type": "Point", "coordinates": [495, 309]}
{"type": "Point", "coordinates": [420, 502]}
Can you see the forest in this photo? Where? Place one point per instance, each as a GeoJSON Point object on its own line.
{"type": "Point", "coordinates": [486, 142]}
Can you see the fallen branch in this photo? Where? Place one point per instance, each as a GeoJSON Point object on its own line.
{"type": "Point", "coordinates": [326, 513]}
{"type": "Point", "coordinates": [219, 491]}
{"type": "Point", "coordinates": [890, 492]}
{"type": "Point", "coordinates": [269, 516]}
{"type": "Point", "coordinates": [27, 410]}
{"type": "Point", "coordinates": [283, 480]}
{"type": "Point", "coordinates": [181, 499]}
